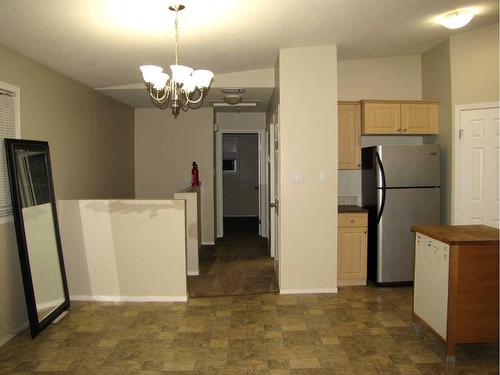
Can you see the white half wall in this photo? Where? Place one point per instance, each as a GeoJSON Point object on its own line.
{"type": "Point", "coordinates": [191, 196]}
{"type": "Point", "coordinates": [124, 250]}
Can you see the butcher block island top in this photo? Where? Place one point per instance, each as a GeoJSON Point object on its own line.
{"type": "Point", "coordinates": [460, 234]}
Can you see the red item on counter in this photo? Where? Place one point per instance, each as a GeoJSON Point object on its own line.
{"type": "Point", "coordinates": [195, 175]}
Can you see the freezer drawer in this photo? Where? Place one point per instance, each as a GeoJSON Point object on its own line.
{"type": "Point", "coordinates": [409, 165]}
{"type": "Point", "coordinates": [402, 209]}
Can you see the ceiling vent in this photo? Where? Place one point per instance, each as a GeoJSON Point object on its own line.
{"type": "Point", "coordinates": [233, 90]}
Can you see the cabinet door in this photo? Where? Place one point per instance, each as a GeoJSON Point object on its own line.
{"type": "Point", "coordinates": [419, 118]}
{"type": "Point", "coordinates": [349, 136]}
{"type": "Point", "coordinates": [381, 118]}
{"type": "Point", "coordinates": [352, 253]}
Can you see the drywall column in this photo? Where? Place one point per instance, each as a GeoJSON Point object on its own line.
{"type": "Point", "coordinates": [308, 136]}
{"type": "Point", "coordinates": [436, 85]}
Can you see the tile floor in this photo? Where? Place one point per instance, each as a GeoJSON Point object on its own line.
{"type": "Point", "coordinates": [238, 264]}
{"type": "Point", "coordinates": [360, 330]}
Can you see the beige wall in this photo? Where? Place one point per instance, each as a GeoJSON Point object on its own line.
{"type": "Point", "coordinates": [397, 77]}
{"type": "Point", "coordinates": [112, 262]}
{"type": "Point", "coordinates": [461, 70]}
{"type": "Point", "coordinates": [474, 66]}
{"type": "Point", "coordinates": [436, 85]}
{"type": "Point", "coordinates": [241, 120]}
{"type": "Point", "coordinates": [92, 145]}
{"type": "Point", "coordinates": [165, 147]}
{"type": "Point", "coordinates": [308, 139]}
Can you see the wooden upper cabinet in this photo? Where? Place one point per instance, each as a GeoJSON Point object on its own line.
{"type": "Point", "coordinates": [419, 118]}
{"type": "Point", "coordinates": [349, 119]}
{"type": "Point", "coordinates": [393, 117]}
{"type": "Point", "coordinates": [381, 118]}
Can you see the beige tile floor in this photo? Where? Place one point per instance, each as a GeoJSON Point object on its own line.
{"type": "Point", "coordinates": [362, 330]}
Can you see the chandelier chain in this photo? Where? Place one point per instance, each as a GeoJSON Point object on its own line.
{"type": "Point", "coordinates": [176, 36]}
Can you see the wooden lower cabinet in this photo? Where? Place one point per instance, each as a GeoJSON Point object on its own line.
{"type": "Point", "coordinates": [352, 249]}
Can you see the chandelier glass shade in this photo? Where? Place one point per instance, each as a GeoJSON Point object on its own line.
{"type": "Point", "coordinates": [185, 86]}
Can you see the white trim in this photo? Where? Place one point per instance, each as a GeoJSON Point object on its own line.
{"type": "Point", "coordinates": [129, 298]}
{"type": "Point", "coordinates": [10, 336]}
{"type": "Point", "coordinates": [263, 178]}
{"type": "Point", "coordinates": [455, 160]}
{"type": "Point", "coordinates": [309, 291]}
{"type": "Point", "coordinates": [208, 243]}
{"type": "Point", "coordinates": [193, 273]}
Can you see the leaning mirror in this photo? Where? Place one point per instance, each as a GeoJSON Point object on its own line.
{"type": "Point", "coordinates": [37, 231]}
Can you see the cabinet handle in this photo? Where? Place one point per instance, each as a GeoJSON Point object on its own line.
{"type": "Point", "coordinates": [365, 232]}
{"type": "Point", "coordinates": [404, 130]}
{"type": "Point", "coordinates": [352, 220]}
{"type": "Point", "coordinates": [359, 164]}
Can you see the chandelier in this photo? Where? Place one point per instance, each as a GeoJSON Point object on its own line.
{"type": "Point", "coordinates": [186, 87]}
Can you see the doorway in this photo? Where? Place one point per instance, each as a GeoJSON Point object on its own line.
{"type": "Point", "coordinates": [476, 165]}
{"type": "Point", "coordinates": [239, 263]}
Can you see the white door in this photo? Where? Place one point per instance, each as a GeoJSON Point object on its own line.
{"type": "Point", "coordinates": [478, 167]}
{"type": "Point", "coordinates": [275, 189]}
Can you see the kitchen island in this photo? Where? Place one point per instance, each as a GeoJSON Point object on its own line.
{"type": "Point", "coordinates": [456, 283]}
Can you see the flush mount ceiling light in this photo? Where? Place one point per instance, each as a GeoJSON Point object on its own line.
{"type": "Point", "coordinates": [186, 86]}
{"type": "Point", "coordinates": [232, 99]}
{"type": "Point", "coordinates": [456, 19]}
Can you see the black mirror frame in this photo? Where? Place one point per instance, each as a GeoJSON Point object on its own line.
{"type": "Point", "coordinates": [11, 145]}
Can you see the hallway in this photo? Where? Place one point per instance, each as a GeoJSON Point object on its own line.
{"type": "Point", "coordinates": [238, 264]}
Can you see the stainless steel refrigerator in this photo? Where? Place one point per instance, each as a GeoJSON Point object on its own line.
{"type": "Point", "coordinates": [400, 189]}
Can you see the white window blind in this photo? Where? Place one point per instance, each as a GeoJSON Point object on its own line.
{"type": "Point", "coordinates": [7, 130]}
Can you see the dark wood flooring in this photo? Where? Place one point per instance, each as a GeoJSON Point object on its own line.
{"type": "Point", "coordinates": [238, 264]}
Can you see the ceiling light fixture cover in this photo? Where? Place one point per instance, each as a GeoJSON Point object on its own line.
{"type": "Point", "coordinates": [456, 19]}
{"type": "Point", "coordinates": [186, 86]}
{"type": "Point", "coordinates": [232, 99]}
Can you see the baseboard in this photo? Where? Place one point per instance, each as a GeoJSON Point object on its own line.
{"type": "Point", "coordinates": [193, 273]}
{"type": "Point", "coordinates": [9, 336]}
{"type": "Point", "coordinates": [208, 243]}
{"type": "Point", "coordinates": [129, 298]}
{"type": "Point", "coordinates": [308, 291]}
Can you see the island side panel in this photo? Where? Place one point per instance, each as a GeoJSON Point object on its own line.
{"type": "Point", "coordinates": [477, 294]}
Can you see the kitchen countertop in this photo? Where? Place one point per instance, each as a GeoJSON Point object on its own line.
{"type": "Point", "coordinates": [459, 234]}
{"type": "Point", "coordinates": [351, 209]}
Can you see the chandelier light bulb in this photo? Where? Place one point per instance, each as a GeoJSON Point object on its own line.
{"type": "Point", "coordinates": [456, 19]}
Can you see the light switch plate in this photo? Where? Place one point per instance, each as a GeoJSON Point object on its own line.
{"type": "Point", "coordinates": [298, 177]}
{"type": "Point", "coordinates": [322, 177]}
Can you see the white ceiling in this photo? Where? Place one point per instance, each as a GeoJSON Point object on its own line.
{"type": "Point", "coordinates": [102, 42]}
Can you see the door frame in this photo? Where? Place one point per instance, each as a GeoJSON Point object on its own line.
{"type": "Point", "coordinates": [455, 170]}
{"type": "Point", "coordinates": [262, 173]}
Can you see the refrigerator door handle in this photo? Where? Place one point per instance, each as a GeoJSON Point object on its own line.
{"type": "Point", "coordinates": [382, 188]}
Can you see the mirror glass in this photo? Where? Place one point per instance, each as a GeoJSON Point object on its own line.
{"type": "Point", "coordinates": [35, 198]}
